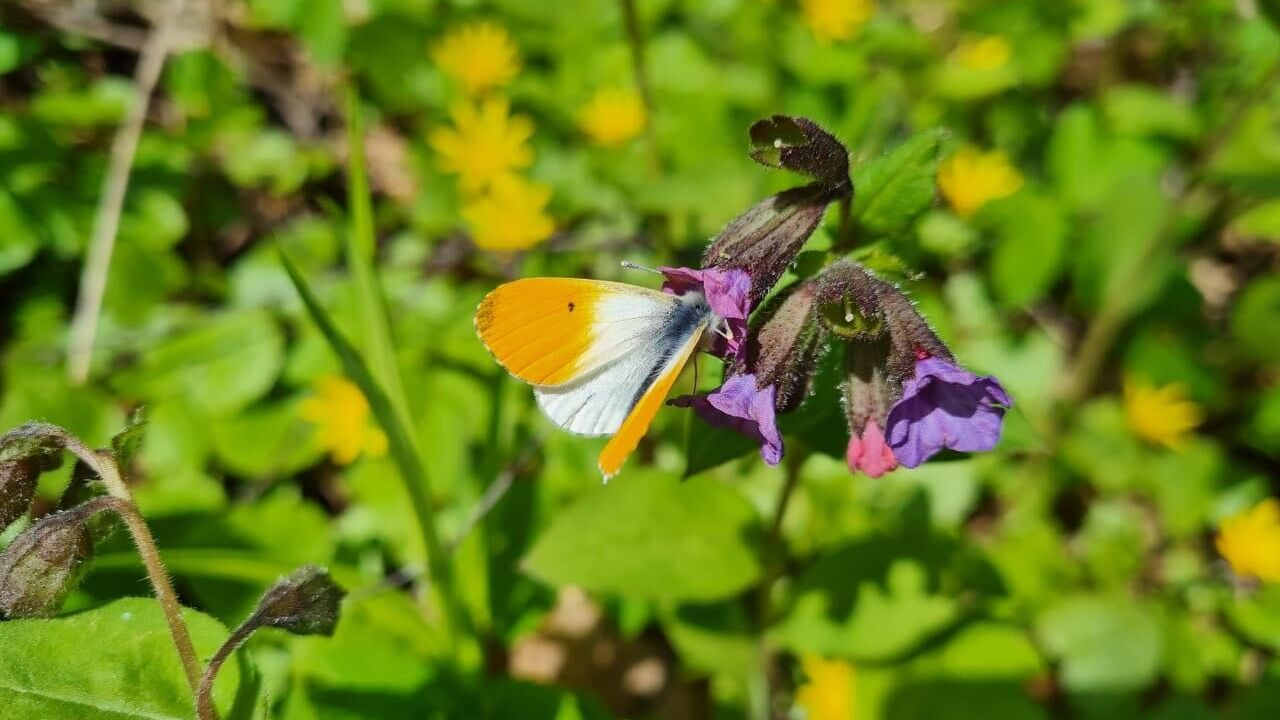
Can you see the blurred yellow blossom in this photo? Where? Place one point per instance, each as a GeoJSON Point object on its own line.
{"type": "Point", "coordinates": [1250, 541]}
{"type": "Point", "coordinates": [835, 20]}
{"type": "Point", "coordinates": [828, 692]}
{"type": "Point", "coordinates": [985, 53]}
{"type": "Point", "coordinates": [341, 412]}
{"type": "Point", "coordinates": [485, 143]}
{"type": "Point", "coordinates": [512, 216]}
{"type": "Point", "coordinates": [1161, 415]}
{"type": "Point", "coordinates": [613, 116]}
{"type": "Point", "coordinates": [971, 178]}
{"type": "Point", "coordinates": [480, 56]}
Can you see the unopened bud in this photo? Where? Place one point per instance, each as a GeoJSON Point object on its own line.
{"type": "Point", "coordinates": [788, 345]}
{"type": "Point", "coordinates": [766, 238]}
{"type": "Point", "coordinates": [43, 564]}
{"type": "Point", "coordinates": [304, 603]}
{"type": "Point", "coordinates": [25, 452]}
{"type": "Point", "coordinates": [18, 480]}
{"type": "Point", "coordinates": [801, 145]}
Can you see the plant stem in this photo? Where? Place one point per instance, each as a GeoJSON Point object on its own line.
{"type": "Point", "coordinates": [635, 39]}
{"type": "Point", "coordinates": [204, 695]}
{"type": "Point", "coordinates": [1117, 309]}
{"type": "Point", "coordinates": [93, 278]}
{"type": "Point", "coordinates": [105, 466]}
{"type": "Point", "coordinates": [404, 450]}
{"type": "Point", "coordinates": [774, 551]}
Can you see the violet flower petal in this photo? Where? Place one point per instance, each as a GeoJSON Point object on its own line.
{"type": "Point", "coordinates": [728, 292]}
{"type": "Point", "coordinates": [740, 406]}
{"type": "Point", "coordinates": [945, 406]}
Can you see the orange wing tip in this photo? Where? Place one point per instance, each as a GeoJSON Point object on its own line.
{"type": "Point", "coordinates": [605, 475]}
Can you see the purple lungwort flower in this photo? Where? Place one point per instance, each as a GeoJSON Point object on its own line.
{"type": "Point", "coordinates": [728, 292]}
{"type": "Point", "coordinates": [740, 406]}
{"type": "Point", "coordinates": [945, 406]}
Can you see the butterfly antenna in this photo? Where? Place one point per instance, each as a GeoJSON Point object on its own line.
{"type": "Point", "coordinates": [633, 266]}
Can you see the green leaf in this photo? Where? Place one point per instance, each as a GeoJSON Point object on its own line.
{"type": "Point", "coordinates": [1257, 617]}
{"type": "Point", "coordinates": [111, 663]}
{"type": "Point", "coordinates": [891, 190]}
{"type": "Point", "coordinates": [1261, 222]}
{"type": "Point", "coordinates": [651, 536]}
{"type": "Point", "coordinates": [1254, 318]}
{"type": "Point", "coordinates": [990, 650]}
{"type": "Point", "coordinates": [1105, 643]}
{"type": "Point", "coordinates": [1031, 235]}
{"type": "Point", "coordinates": [125, 444]}
{"type": "Point", "coordinates": [1144, 110]}
{"type": "Point", "coordinates": [218, 367]}
{"type": "Point", "coordinates": [876, 600]}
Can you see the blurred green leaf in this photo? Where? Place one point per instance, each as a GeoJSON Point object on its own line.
{"type": "Point", "coordinates": [891, 190]}
{"type": "Point", "coordinates": [875, 600]}
{"type": "Point", "coordinates": [1031, 239]}
{"type": "Point", "coordinates": [1257, 616]}
{"type": "Point", "coordinates": [1144, 110]}
{"type": "Point", "coordinates": [217, 367]}
{"type": "Point", "coordinates": [112, 662]}
{"type": "Point", "coordinates": [652, 537]}
{"type": "Point", "coordinates": [1105, 643]}
{"type": "Point", "coordinates": [1262, 222]}
{"type": "Point", "coordinates": [1253, 320]}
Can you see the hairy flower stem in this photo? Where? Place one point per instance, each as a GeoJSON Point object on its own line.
{"type": "Point", "coordinates": [775, 559]}
{"type": "Point", "coordinates": [204, 693]}
{"type": "Point", "coordinates": [635, 38]}
{"type": "Point", "coordinates": [105, 467]}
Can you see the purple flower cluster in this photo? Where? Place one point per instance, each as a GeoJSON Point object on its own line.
{"type": "Point", "coordinates": [904, 396]}
{"type": "Point", "coordinates": [895, 417]}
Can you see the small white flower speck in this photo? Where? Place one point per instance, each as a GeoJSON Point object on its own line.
{"type": "Point", "coordinates": [777, 142]}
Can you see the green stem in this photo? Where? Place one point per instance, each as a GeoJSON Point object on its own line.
{"type": "Point", "coordinates": [105, 467]}
{"type": "Point", "coordinates": [774, 551]}
{"type": "Point", "coordinates": [635, 39]}
{"type": "Point", "coordinates": [404, 451]}
{"type": "Point", "coordinates": [1117, 308]}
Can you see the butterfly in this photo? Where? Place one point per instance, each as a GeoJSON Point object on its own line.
{"type": "Point", "coordinates": [601, 356]}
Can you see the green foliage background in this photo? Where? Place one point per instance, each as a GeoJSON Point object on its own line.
{"type": "Point", "coordinates": [1071, 573]}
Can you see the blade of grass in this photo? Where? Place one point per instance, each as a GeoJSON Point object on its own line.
{"type": "Point", "coordinates": [361, 247]}
{"type": "Point", "coordinates": [403, 452]}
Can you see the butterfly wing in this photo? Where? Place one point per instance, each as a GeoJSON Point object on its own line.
{"type": "Point", "coordinates": [602, 355]}
{"type": "Point", "coordinates": [552, 331]}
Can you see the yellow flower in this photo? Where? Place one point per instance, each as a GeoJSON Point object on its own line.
{"type": "Point", "coordinates": [480, 56]}
{"type": "Point", "coordinates": [342, 414]}
{"type": "Point", "coordinates": [511, 216]}
{"type": "Point", "coordinates": [484, 143]}
{"type": "Point", "coordinates": [836, 20]}
{"type": "Point", "coordinates": [828, 693]}
{"type": "Point", "coordinates": [986, 53]}
{"type": "Point", "coordinates": [971, 178]}
{"type": "Point", "coordinates": [1160, 415]}
{"type": "Point", "coordinates": [613, 117]}
{"type": "Point", "coordinates": [1250, 541]}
